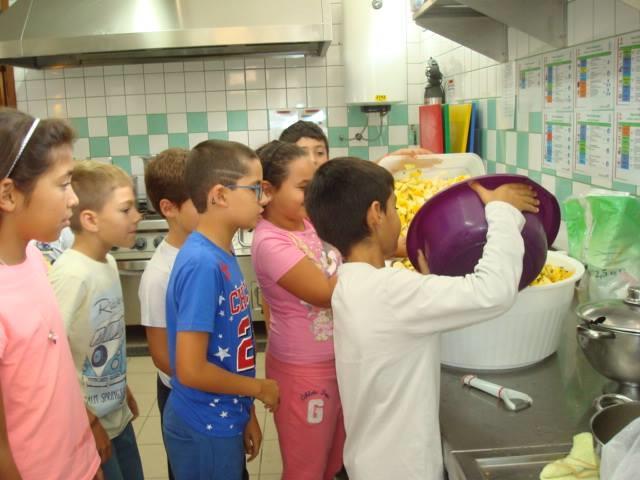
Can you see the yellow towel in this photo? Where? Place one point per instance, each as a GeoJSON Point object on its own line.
{"type": "Point", "coordinates": [581, 463]}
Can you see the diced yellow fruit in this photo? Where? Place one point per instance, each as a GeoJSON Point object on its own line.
{"type": "Point", "coordinates": [551, 274]}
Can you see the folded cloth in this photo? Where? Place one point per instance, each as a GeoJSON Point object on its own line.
{"type": "Point", "coordinates": [581, 463]}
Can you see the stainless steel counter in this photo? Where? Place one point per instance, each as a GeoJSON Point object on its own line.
{"type": "Point", "coordinates": [484, 440]}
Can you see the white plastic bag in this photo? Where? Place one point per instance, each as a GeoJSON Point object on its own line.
{"type": "Point", "coordinates": [621, 455]}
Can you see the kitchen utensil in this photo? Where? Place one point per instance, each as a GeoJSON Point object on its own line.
{"type": "Point", "coordinates": [529, 332]}
{"type": "Point", "coordinates": [609, 336]}
{"type": "Point", "coordinates": [513, 400]}
{"type": "Point", "coordinates": [451, 229]}
{"type": "Point", "coordinates": [613, 413]}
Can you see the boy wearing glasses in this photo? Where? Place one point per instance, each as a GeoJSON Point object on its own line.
{"type": "Point", "coordinates": [209, 419]}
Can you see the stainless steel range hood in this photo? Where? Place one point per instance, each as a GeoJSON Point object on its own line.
{"type": "Point", "coordinates": [54, 33]}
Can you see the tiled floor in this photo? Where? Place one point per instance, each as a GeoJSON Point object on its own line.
{"type": "Point", "coordinates": [142, 380]}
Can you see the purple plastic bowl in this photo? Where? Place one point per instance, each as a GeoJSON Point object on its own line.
{"type": "Point", "coordinates": [451, 229]}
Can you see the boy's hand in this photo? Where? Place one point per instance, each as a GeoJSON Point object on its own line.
{"type": "Point", "coordinates": [99, 475]}
{"type": "Point", "coordinates": [269, 394]}
{"type": "Point", "coordinates": [103, 444]}
{"type": "Point", "coordinates": [252, 437]}
{"type": "Point", "coordinates": [423, 266]}
{"type": "Point", "coordinates": [519, 195]}
{"type": "Point", "coordinates": [133, 405]}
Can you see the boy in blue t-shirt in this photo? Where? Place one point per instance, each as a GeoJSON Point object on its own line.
{"type": "Point", "coordinates": [209, 419]}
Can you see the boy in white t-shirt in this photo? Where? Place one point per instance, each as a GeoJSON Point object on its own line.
{"type": "Point", "coordinates": [387, 321]}
{"type": "Point", "coordinates": [164, 181]}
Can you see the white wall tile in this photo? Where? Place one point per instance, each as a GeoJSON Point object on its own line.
{"type": "Point", "coordinates": [97, 126]}
{"type": "Point", "coordinates": [57, 108]}
{"type": "Point", "coordinates": [415, 93]}
{"type": "Point", "coordinates": [274, 62]}
{"type": "Point", "coordinates": [136, 104]}
{"type": "Point", "coordinates": [336, 13]}
{"type": "Point", "coordinates": [255, 79]}
{"type": "Point", "coordinates": [334, 55]}
{"type": "Point", "coordinates": [335, 76]}
{"type": "Point", "coordinates": [217, 121]}
{"type": "Point", "coordinates": [236, 100]}
{"type": "Point", "coordinates": [296, 97]}
{"type": "Point", "coordinates": [152, 68]}
{"type": "Point", "coordinates": [21, 91]}
{"type": "Point", "coordinates": [337, 152]}
{"type": "Point", "coordinates": [316, 76]}
{"type": "Point", "coordinates": [133, 69]}
{"type": "Point", "coordinates": [256, 99]}
{"type": "Point", "coordinates": [311, 61]}
{"type": "Point", "coordinates": [196, 138]}
{"type": "Point", "coordinates": [501, 168]}
{"type": "Point", "coordinates": [549, 182]}
{"type": "Point", "coordinates": [156, 103]}
{"type": "Point", "coordinates": [81, 148]}
{"type": "Point", "coordinates": [337, 116]}
{"type": "Point", "coordinates": [234, 63]}
{"type": "Point", "coordinates": [137, 124]}
{"type": "Point", "coordinates": [54, 88]}
{"type": "Point", "coordinates": [253, 62]}
{"type": "Point", "coordinates": [216, 101]}
{"type": "Point", "coordinates": [73, 72]}
{"type": "Point", "coordinates": [174, 82]}
{"type": "Point", "coordinates": [415, 73]}
{"type": "Point", "coordinates": [114, 85]}
{"type": "Point", "coordinates": [74, 87]}
{"type": "Point", "coordinates": [627, 18]}
{"type": "Point", "coordinates": [36, 90]}
{"type": "Point", "coordinates": [398, 134]}
{"type": "Point", "coordinates": [414, 53]}
{"type": "Point", "coordinates": [512, 40]}
{"type": "Point", "coordinates": [93, 71]}
{"type": "Point", "coordinates": [317, 96]}
{"type": "Point", "coordinates": [276, 98]}
{"type": "Point", "coordinates": [119, 145]}
{"type": "Point", "coordinates": [604, 18]}
{"type": "Point", "coordinates": [113, 70]}
{"type": "Point", "coordinates": [19, 73]}
{"type": "Point", "coordinates": [96, 106]}
{"type": "Point", "coordinates": [294, 61]}
{"type": "Point", "coordinates": [240, 137]}
{"type": "Point", "coordinates": [137, 165]}
{"type": "Point", "coordinates": [158, 143]}
{"type": "Point", "coordinates": [214, 80]}
{"type": "Point", "coordinates": [32, 74]}
{"type": "Point", "coordinates": [414, 115]}
{"type": "Point", "coordinates": [296, 77]}
{"type": "Point", "coordinates": [177, 122]}
{"type": "Point", "coordinates": [535, 151]}
{"type": "Point", "coordinates": [94, 86]}
{"type": "Point", "coordinates": [583, 21]}
{"type": "Point", "coordinates": [276, 78]}
{"type": "Point", "coordinates": [511, 151]}
{"type": "Point", "coordinates": [154, 83]}
{"type": "Point", "coordinates": [491, 145]}
{"type": "Point", "coordinates": [176, 103]}
{"type": "Point", "coordinates": [196, 102]}
{"type": "Point", "coordinates": [194, 82]}
{"type": "Point", "coordinates": [76, 107]}
{"type": "Point", "coordinates": [353, 142]}
{"type": "Point", "coordinates": [193, 66]}
{"type": "Point", "coordinates": [116, 105]}
{"type": "Point", "coordinates": [38, 108]}
{"type": "Point", "coordinates": [133, 84]}
{"type": "Point", "coordinates": [234, 79]}
{"type": "Point", "coordinates": [523, 44]}
{"type": "Point", "coordinates": [522, 121]}
{"type": "Point", "coordinates": [257, 120]}
{"type": "Point", "coordinates": [257, 138]}
{"type": "Point", "coordinates": [213, 65]}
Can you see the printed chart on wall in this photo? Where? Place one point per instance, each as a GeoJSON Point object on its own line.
{"type": "Point", "coordinates": [629, 70]}
{"type": "Point", "coordinates": [558, 143]}
{"type": "Point", "coordinates": [530, 85]}
{"type": "Point", "coordinates": [595, 75]}
{"type": "Point", "coordinates": [627, 168]}
{"type": "Point", "coordinates": [594, 147]}
{"type": "Point", "coordinates": [506, 104]}
{"type": "Point", "coordinates": [558, 80]}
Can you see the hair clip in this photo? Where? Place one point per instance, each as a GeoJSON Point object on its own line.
{"type": "Point", "coordinates": [53, 338]}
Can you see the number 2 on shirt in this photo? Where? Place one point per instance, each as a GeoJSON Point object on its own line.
{"type": "Point", "coordinates": [245, 359]}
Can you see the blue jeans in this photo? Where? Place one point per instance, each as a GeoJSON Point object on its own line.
{"type": "Point", "coordinates": [194, 456]}
{"type": "Point", "coordinates": [124, 463]}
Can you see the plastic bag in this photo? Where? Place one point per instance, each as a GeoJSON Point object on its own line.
{"type": "Point", "coordinates": [621, 455]}
{"type": "Point", "coordinates": [603, 229]}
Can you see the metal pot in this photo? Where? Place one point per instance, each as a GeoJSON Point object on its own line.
{"type": "Point", "coordinates": [609, 336]}
{"type": "Point", "coordinates": [613, 414]}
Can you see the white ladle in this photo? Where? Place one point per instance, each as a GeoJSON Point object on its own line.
{"type": "Point", "coordinates": [513, 400]}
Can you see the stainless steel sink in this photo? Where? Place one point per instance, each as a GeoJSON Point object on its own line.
{"type": "Point", "coordinates": [520, 463]}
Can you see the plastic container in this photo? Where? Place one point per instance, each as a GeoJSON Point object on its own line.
{"type": "Point", "coordinates": [528, 333]}
{"type": "Point", "coordinates": [437, 165]}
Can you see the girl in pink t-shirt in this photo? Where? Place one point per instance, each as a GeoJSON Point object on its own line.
{"type": "Point", "coordinates": [296, 272]}
{"type": "Point", "coordinates": [44, 430]}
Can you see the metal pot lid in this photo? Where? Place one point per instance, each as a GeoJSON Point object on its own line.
{"type": "Point", "coordinates": [619, 315]}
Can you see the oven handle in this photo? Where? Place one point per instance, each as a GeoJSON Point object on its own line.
{"type": "Point", "coordinates": [132, 267]}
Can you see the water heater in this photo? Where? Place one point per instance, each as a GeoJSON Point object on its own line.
{"type": "Point", "coordinates": [375, 51]}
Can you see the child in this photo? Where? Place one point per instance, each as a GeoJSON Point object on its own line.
{"type": "Point", "coordinates": [44, 432]}
{"type": "Point", "coordinates": [86, 281]}
{"type": "Point", "coordinates": [209, 419]}
{"type": "Point", "coordinates": [388, 320]}
{"type": "Point", "coordinates": [296, 272]}
{"type": "Point", "coordinates": [164, 181]}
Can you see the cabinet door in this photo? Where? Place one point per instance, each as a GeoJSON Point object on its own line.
{"type": "Point", "coordinates": [7, 84]}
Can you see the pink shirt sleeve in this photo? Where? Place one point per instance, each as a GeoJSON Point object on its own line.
{"type": "Point", "coordinates": [274, 254]}
{"type": "Point", "coordinates": [3, 338]}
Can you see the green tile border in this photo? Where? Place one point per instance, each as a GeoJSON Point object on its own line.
{"type": "Point", "coordinates": [382, 140]}
{"type": "Point", "coordinates": [338, 137]}
{"type": "Point", "coordinates": [522, 150]}
{"type": "Point", "coordinates": [157, 124]}
{"type": "Point", "coordinates": [624, 187]}
{"type": "Point", "coordinates": [218, 135]}
{"type": "Point", "coordinates": [491, 114]}
{"type": "Point", "coordinates": [197, 122]}
{"type": "Point", "coordinates": [360, 152]}
{"type": "Point", "coordinates": [535, 122]}
{"type": "Point", "coordinates": [564, 189]}
{"type": "Point", "coordinates": [582, 178]}
{"type": "Point", "coordinates": [398, 115]}
{"type": "Point", "coordinates": [117, 126]}
{"type": "Point", "coordinates": [179, 140]}
{"type": "Point", "coordinates": [139, 144]}
{"type": "Point", "coordinates": [124, 162]}
{"type": "Point", "coordinates": [355, 117]}
{"type": "Point", "coordinates": [99, 147]}
{"type": "Point", "coordinates": [237, 120]}
{"type": "Point", "coordinates": [80, 126]}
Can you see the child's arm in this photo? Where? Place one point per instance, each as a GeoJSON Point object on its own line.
{"type": "Point", "coordinates": [252, 436]}
{"type": "Point", "coordinates": [103, 444]}
{"type": "Point", "coordinates": [307, 282]}
{"type": "Point", "coordinates": [8, 468]}
{"type": "Point", "coordinates": [158, 348]}
{"type": "Point", "coordinates": [193, 370]}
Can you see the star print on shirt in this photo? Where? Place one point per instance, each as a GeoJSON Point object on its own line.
{"type": "Point", "coordinates": [235, 400]}
{"type": "Point", "coordinates": [225, 269]}
{"type": "Point", "coordinates": [220, 299]}
{"type": "Point", "coordinates": [209, 426]}
{"type": "Point", "coordinates": [222, 353]}
{"type": "Point", "coordinates": [219, 335]}
{"type": "Point", "coordinates": [224, 414]}
{"type": "Point", "coordinates": [221, 313]}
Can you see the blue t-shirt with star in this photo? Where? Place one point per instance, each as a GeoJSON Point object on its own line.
{"type": "Point", "coordinates": [207, 293]}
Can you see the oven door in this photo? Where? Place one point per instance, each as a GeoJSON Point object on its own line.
{"type": "Point", "coordinates": [130, 275]}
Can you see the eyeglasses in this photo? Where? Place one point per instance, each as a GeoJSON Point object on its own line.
{"type": "Point", "coordinates": [257, 189]}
